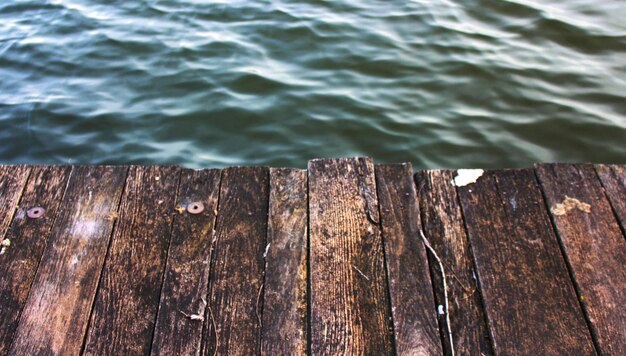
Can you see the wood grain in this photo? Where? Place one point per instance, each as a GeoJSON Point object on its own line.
{"type": "Point", "coordinates": [126, 305]}
{"type": "Point", "coordinates": [56, 313]}
{"type": "Point", "coordinates": [529, 298]}
{"type": "Point", "coordinates": [12, 182]}
{"type": "Point", "coordinates": [19, 262]}
{"type": "Point", "coordinates": [285, 293]}
{"type": "Point", "coordinates": [594, 246]}
{"type": "Point", "coordinates": [349, 302]}
{"type": "Point", "coordinates": [117, 266]}
{"type": "Point", "coordinates": [613, 178]}
{"type": "Point", "coordinates": [185, 288]}
{"type": "Point", "coordinates": [443, 226]}
{"type": "Point", "coordinates": [235, 300]}
{"type": "Point", "coordinates": [410, 288]}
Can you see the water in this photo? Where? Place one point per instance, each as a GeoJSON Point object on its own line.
{"type": "Point", "coordinates": [437, 83]}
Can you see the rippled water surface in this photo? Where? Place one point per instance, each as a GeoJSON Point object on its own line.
{"type": "Point", "coordinates": [210, 84]}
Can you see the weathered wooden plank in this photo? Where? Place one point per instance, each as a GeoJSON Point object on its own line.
{"type": "Point", "coordinates": [27, 236]}
{"type": "Point", "coordinates": [443, 226]}
{"type": "Point", "coordinates": [56, 313]}
{"type": "Point", "coordinates": [613, 178]}
{"type": "Point", "coordinates": [529, 298]}
{"type": "Point", "coordinates": [410, 288]}
{"type": "Point", "coordinates": [236, 280]}
{"type": "Point", "coordinates": [183, 298]}
{"type": "Point", "coordinates": [285, 292]}
{"type": "Point", "coordinates": [349, 301]}
{"type": "Point", "coordinates": [594, 246]}
{"type": "Point", "coordinates": [12, 182]}
{"type": "Point", "coordinates": [126, 303]}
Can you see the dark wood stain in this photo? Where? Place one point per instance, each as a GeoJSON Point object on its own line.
{"type": "Point", "coordinates": [323, 262]}
{"type": "Point", "coordinates": [285, 292]}
{"type": "Point", "coordinates": [19, 262]}
{"type": "Point", "coordinates": [126, 304]}
{"type": "Point", "coordinates": [595, 248]}
{"type": "Point", "coordinates": [529, 299]}
{"type": "Point", "coordinates": [56, 313]}
{"type": "Point", "coordinates": [349, 302]}
{"type": "Point", "coordinates": [410, 288]}
{"type": "Point", "coordinates": [613, 178]}
{"type": "Point", "coordinates": [233, 325]}
{"type": "Point", "coordinates": [443, 226]}
{"type": "Point", "coordinates": [12, 182]}
{"type": "Point", "coordinates": [182, 311]}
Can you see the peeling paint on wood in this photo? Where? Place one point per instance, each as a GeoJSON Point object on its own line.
{"type": "Point", "coordinates": [466, 176]}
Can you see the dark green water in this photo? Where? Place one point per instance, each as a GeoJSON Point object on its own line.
{"type": "Point", "coordinates": [210, 84]}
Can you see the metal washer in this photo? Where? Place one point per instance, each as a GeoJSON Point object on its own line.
{"type": "Point", "coordinates": [36, 212]}
{"type": "Point", "coordinates": [195, 208]}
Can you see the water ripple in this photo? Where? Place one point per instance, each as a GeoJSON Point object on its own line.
{"type": "Point", "coordinates": [438, 83]}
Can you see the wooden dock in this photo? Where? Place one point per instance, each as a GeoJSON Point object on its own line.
{"type": "Point", "coordinates": [342, 258]}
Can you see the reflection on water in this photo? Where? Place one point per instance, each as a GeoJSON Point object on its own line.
{"type": "Point", "coordinates": [437, 83]}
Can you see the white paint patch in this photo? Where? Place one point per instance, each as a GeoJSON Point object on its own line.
{"type": "Point", "coordinates": [85, 228]}
{"type": "Point", "coordinates": [20, 214]}
{"type": "Point", "coordinates": [467, 176]}
{"type": "Point", "coordinates": [74, 261]}
{"type": "Point", "coordinates": [5, 244]}
{"type": "Point", "coordinates": [267, 248]}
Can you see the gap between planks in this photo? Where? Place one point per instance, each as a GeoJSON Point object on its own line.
{"type": "Point", "coordinates": [259, 309]}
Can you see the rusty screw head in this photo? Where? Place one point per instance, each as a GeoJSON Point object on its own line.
{"type": "Point", "coordinates": [36, 212]}
{"type": "Point", "coordinates": [195, 208]}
